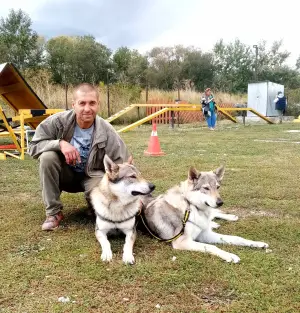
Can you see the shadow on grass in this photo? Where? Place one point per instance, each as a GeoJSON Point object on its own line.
{"type": "Point", "coordinates": [83, 216]}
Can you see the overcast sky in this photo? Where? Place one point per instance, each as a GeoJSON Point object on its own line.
{"type": "Point", "coordinates": [143, 24]}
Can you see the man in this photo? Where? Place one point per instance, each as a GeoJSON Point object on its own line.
{"type": "Point", "coordinates": [280, 104]}
{"type": "Point", "coordinates": [70, 147]}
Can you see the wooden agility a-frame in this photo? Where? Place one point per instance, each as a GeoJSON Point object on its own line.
{"type": "Point", "coordinates": [29, 110]}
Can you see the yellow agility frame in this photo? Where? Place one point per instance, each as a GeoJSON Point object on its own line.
{"type": "Point", "coordinates": [25, 116]}
{"type": "Point", "coordinates": [177, 107]}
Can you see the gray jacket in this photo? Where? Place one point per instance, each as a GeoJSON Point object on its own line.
{"type": "Point", "coordinates": [61, 126]}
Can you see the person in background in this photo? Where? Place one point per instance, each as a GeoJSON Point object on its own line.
{"type": "Point", "coordinates": [280, 104]}
{"type": "Point", "coordinates": [209, 107]}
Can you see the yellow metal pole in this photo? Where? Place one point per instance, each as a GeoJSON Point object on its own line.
{"type": "Point", "coordinates": [46, 111]}
{"type": "Point", "coordinates": [261, 116]}
{"type": "Point", "coordinates": [143, 120]}
{"type": "Point", "coordinates": [247, 109]}
{"type": "Point", "coordinates": [10, 130]}
{"type": "Point", "coordinates": [229, 116]}
{"type": "Point", "coordinates": [22, 136]}
{"type": "Point", "coordinates": [120, 113]}
{"type": "Point", "coordinates": [12, 155]}
{"type": "Point", "coordinates": [169, 105]}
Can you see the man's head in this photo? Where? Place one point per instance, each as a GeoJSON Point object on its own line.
{"type": "Point", "coordinates": [208, 91]}
{"type": "Point", "coordinates": [85, 104]}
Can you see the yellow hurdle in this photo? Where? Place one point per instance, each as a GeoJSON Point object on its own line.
{"type": "Point", "coordinates": [2, 156]}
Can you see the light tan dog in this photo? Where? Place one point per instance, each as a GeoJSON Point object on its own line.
{"type": "Point", "coordinates": [199, 195]}
{"type": "Point", "coordinates": [116, 201]}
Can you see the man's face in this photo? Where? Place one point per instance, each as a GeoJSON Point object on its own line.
{"type": "Point", "coordinates": [86, 106]}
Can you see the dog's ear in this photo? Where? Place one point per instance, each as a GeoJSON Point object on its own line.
{"type": "Point", "coordinates": [130, 160]}
{"type": "Point", "coordinates": [220, 172]}
{"type": "Point", "coordinates": [193, 174]}
{"type": "Point", "coordinates": [109, 165]}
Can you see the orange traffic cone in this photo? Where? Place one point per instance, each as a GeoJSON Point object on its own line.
{"type": "Point", "coordinates": [153, 146]}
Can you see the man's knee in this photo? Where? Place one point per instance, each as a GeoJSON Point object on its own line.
{"type": "Point", "coordinates": [49, 159]}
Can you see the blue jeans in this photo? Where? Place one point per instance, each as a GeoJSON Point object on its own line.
{"type": "Point", "coordinates": [211, 120]}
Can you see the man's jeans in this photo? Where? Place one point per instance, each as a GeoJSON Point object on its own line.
{"type": "Point", "coordinates": [56, 176]}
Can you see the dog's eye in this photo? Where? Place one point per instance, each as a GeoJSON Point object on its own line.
{"type": "Point", "coordinates": [133, 176]}
{"type": "Point", "coordinates": [218, 186]}
{"type": "Point", "coordinates": [206, 188]}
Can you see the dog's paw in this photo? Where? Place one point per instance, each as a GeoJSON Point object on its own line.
{"type": "Point", "coordinates": [260, 244]}
{"type": "Point", "coordinates": [106, 255]}
{"type": "Point", "coordinates": [232, 217]}
{"type": "Point", "coordinates": [231, 258]}
{"type": "Point", "coordinates": [128, 258]}
{"type": "Point", "coordinates": [215, 225]}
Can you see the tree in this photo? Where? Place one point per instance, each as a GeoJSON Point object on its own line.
{"type": "Point", "coordinates": [272, 65]}
{"type": "Point", "coordinates": [272, 58]}
{"type": "Point", "coordinates": [198, 68]}
{"type": "Point", "coordinates": [130, 66]}
{"type": "Point", "coordinates": [59, 51]}
{"type": "Point", "coordinates": [121, 59]}
{"type": "Point", "coordinates": [234, 66]}
{"type": "Point", "coordinates": [18, 41]}
{"type": "Point", "coordinates": [235, 63]}
{"type": "Point", "coordinates": [284, 75]}
{"type": "Point", "coordinates": [165, 67]}
{"type": "Point", "coordinates": [298, 63]}
{"type": "Point", "coordinates": [76, 59]}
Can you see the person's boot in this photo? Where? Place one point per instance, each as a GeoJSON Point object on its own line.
{"type": "Point", "coordinates": [52, 221]}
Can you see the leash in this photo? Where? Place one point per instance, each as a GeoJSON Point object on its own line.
{"type": "Point", "coordinates": [184, 221]}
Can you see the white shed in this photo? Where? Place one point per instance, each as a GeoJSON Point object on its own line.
{"type": "Point", "coordinates": [261, 97]}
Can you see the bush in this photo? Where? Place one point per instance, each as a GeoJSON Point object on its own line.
{"type": "Point", "coordinates": [293, 107]}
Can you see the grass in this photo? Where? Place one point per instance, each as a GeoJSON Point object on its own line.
{"type": "Point", "coordinates": [261, 185]}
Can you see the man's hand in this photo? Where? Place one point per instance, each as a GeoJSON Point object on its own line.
{"type": "Point", "coordinates": [70, 152]}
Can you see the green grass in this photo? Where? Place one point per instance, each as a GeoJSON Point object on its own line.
{"type": "Point", "coordinates": [261, 185]}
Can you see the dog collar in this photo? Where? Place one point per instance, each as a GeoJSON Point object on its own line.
{"type": "Point", "coordinates": [118, 221]}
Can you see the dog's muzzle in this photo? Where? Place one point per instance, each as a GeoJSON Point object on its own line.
{"type": "Point", "coordinates": [138, 193]}
{"type": "Point", "coordinates": [219, 203]}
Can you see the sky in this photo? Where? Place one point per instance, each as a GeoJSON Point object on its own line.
{"type": "Point", "coordinates": [143, 24]}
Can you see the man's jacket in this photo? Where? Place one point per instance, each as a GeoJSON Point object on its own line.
{"type": "Point", "coordinates": [61, 126]}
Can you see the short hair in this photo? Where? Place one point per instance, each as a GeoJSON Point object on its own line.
{"type": "Point", "coordinates": [86, 87]}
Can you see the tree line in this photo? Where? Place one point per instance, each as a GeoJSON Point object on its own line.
{"type": "Point", "coordinates": [74, 59]}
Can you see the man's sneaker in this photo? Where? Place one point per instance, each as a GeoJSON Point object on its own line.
{"type": "Point", "coordinates": [52, 221]}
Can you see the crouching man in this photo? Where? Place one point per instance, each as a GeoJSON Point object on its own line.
{"type": "Point", "coordinates": [70, 146]}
